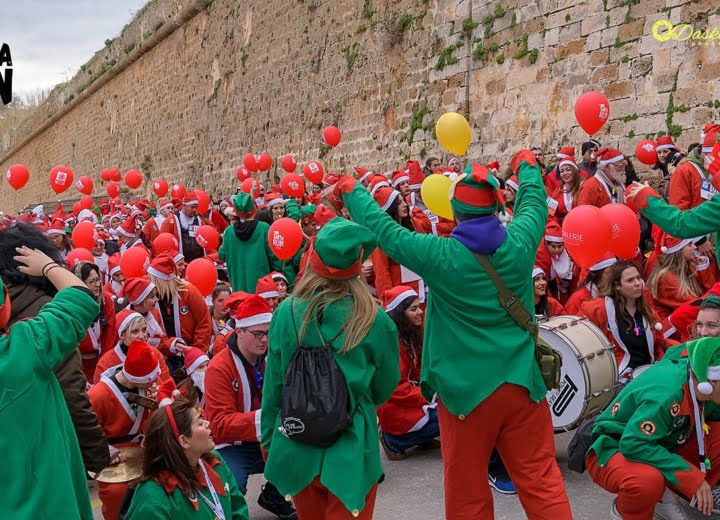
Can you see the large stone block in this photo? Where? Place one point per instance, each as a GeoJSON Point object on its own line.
{"type": "Point", "coordinates": [570, 48]}
{"type": "Point", "coordinates": [619, 89]}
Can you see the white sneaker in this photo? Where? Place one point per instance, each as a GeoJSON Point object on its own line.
{"type": "Point", "coordinates": [679, 510]}
{"type": "Point", "coordinates": [614, 513]}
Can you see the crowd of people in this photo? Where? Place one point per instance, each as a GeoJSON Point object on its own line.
{"type": "Point", "coordinates": [399, 302]}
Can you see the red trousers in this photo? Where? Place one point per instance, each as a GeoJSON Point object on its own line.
{"type": "Point", "coordinates": [640, 486]}
{"type": "Point", "coordinates": [523, 434]}
{"type": "Point", "coordinates": [315, 502]}
{"type": "Point", "coordinates": [111, 496]}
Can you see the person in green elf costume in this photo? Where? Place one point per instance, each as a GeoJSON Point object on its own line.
{"type": "Point", "coordinates": [245, 248]}
{"type": "Point", "coordinates": [332, 304]}
{"type": "Point", "coordinates": [476, 358]}
{"type": "Point", "coordinates": [662, 430]}
{"type": "Point", "coordinates": [42, 473]}
{"type": "Point", "coordinates": [183, 476]}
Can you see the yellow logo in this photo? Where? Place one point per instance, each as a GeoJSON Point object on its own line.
{"type": "Point", "coordinates": [664, 31]}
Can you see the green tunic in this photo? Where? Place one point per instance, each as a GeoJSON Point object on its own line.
{"type": "Point", "coordinates": [249, 260]}
{"type": "Point", "coordinates": [42, 471]}
{"type": "Point", "coordinates": [471, 344]}
{"type": "Point", "coordinates": [351, 466]}
{"type": "Point", "coordinates": [151, 501]}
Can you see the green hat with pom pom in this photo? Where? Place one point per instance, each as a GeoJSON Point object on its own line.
{"type": "Point", "coordinates": [704, 355]}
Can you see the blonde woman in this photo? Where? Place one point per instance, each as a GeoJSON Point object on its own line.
{"type": "Point", "coordinates": [331, 305]}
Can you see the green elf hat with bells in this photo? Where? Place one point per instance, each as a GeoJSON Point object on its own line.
{"type": "Point", "coordinates": [340, 248]}
{"type": "Point", "coordinates": [476, 192]}
{"type": "Point", "coordinates": [244, 205]}
{"type": "Point", "coordinates": [704, 355]}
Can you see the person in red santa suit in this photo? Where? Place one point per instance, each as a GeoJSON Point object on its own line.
{"type": "Point", "coordinates": [282, 283]}
{"type": "Point", "coordinates": [267, 289]}
{"type": "Point", "coordinates": [423, 219]}
{"type": "Point", "coordinates": [184, 224]}
{"type": "Point", "coordinates": [377, 182]}
{"type": "Point", "coordinates": [690, 184]}
{"type": "Point", "coordinates": [545, 305]}
{"type": "Point", "coordinates": [553, 180]}
{"type": "Point", "coordinates": [151, 230]}
{"type": "Point", "coordinates": [179, 260]}
{"type": "Point", "coordinates": [595, 284]}
{"type": "Point", "coordinates": [114, 285]}
{"type": "Point", "coordinates": [607, 186]}
{"type": "Point", "coordinates": [218, 312]}
{"type": "Point", "coordinates": [554, 259]}
{"type": "Point", "coordinates": [231, 304]}
{"type": "Point", "coordinates": [233, 397]}
{"type": "Point", "coordinates": [627, 320]}
{"type": "Point", "coordinates": [120, 416]}
{"type": "Point", "coordinates": [400, 182]}
{"type": "Point", "coordinates": [407, 420]}
{"type": "Point", "coordinates": [510, 193]}
{"type": "Point", "coordinates": [363, 175]}
{"type": "Point", "coordinates": [565, 197]}
{"type": "Point", "coordinates": [191, 379]}
{"type": "Point", "coordinates": [129, 235]}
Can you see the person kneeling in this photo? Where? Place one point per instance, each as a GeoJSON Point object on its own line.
{"type": "Point", "coordinates": [656, 435]}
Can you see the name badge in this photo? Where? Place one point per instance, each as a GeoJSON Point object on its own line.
{"type": "Point", "coordinates": [707, 190]}
{"type": "Point", "coordinates": [153, 342]}
{"type": "Point", "coordinates": [192, 230]}
{"type": "Point", "coordinates": [552, 206]}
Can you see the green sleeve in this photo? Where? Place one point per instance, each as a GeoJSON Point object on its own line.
{"type": "Point", "coordinates": [387, 373]}
{"type": "Point", "coordinates": [149, 502]}
{"type": "Point", "coordinates": [273, 383]}
{"type": "Point", "coordinates": [528, 223]}
{"type": "Point", "coordinates": [221, 252]}
{"type": "Point", "coordinates": [416, 251]}
{"type": "Point", "coordinates": [238, 505]}
{"type": "Point", "coordinates": [71, 311]}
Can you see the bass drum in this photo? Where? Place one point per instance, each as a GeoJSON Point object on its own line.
{"type": "Point", "coordinates": [589, 373]}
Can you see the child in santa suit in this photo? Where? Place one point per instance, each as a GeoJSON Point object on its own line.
{"type": "Point", "coordinates": [121, 419]}
{"type": "Point", "coordinates": [607, 185]}
{"type": "Point", "coordinates": [116, 278]}
{"type": "Point", "coordinates": [233, 397]}
{"type": "Point", "coordinates": [191, 381]}
{"type": "Point", "coordinates": [661, 433]}
{"type": "Point", "coordinates": [594, 284]}
{"type": "Point", "coordinates": [267, 289]}
{"type": "Point", "coordinates": [488, 396]}
{"type": "Point", "coordinates": [553, 258]}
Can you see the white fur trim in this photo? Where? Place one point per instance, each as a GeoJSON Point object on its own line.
{"type": "Point", "coordinates": [613, 160]}
{"type": "Point", "coordinates": [52, 231]}
{"type": "Point", "coordinates": [258, 417]}
{"type": "Point", "coordinates": [365, 176]}
{"type": "Point", "coordinates": [167, 205]}
{"type": "Point", "coordinates": [677, 247]}
{"type": "Point", "coordinates": [114, 270]}
{"type": "Point", "coordinates": [402, 178]}
{"type": "Point", "coordinates": [126, 322]}
{"type": "Point", "coordinates": [122, 231]}
{"type": "Point", "coordinates": [705, 388]}
{"type": "Point", "coordinates": [381, 184]}
{"type": "Point", "coordinates": [199, 361]}
{"type": "Point", "coordinates": [504, 218]}
{"type": "Point", "coordinates": [658, 326]}
{"type": "Point", "coordinates": [400, 298]}
{"type": "Point", "coordinates": [713, 373]}
{"type": "Point", "coordinates": [562, 155]}
{"type": "Point", "coordinates": [258, 319]}
{"type": "Point", "coordinates": [514, 185]}
{"type": "Point", "coordinates": [552, 238]}
{"type": "Point", "coordinates": [394, 195]}
{"type": "Point", "coordinates": [143, 294]}
{"type": "Point", "coordinates": [569, 161]}
{"type": "Point", "coordinates": [165, 402]}
{"type": "Point", "coordinates": [602, 265]}
{"type": "Point", "coordinates": [666, 147]}
{"type": "Point", "coordinates": [275, 201]}
{"type": "Point", "coordinates": [161, 275]}
{"type": "Point", "coordinates": [178, 257]}
{"type": "Point", "coordinates": [537, 272]}
{"type": "Point", "coordinates": [192, 203]}
{"type": "Point", "coordinates": [152, 376]}
{"type": "Point", "coordinates": [269, 294]}
{"type": "Point", "coordinates": [707, 149]}
{"type": "Point", "coordinates": [279, 275]}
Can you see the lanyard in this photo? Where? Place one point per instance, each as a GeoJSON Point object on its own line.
{"type": "Point", "coordinates": [699, 428]}
{"type": "Point", "coordinates": [217, 507]}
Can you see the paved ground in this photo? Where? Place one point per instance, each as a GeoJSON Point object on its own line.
{"type": "Point", "coordinates": [413, 490]}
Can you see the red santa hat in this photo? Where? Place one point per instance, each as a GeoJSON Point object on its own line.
{"type": "Point", "coordinates": [322, 216]}
{"type": "Point", "coordinates": [279, 276]}
{"type": "Point", "coordinates": [537, 271]}
{"type": "Point", "coordinates": [253, 310]}
{"type": "Point", "coordinates": [137, 289]}
{"type": "Point", "coordinates": [377, 182]}
{"type": "Point", "coordinates": [70, 218]}
{"type": "Point", "coordinates": [493, 166]}
{"type": "Point", "coordinates": [165, 204]}
{"type": "Point", "coordinates": [395, 296]}
{"type": "Point", "coordinates": [672, 245]}
{"type": "Point", "coordinates": [513, 182]}
{"type": "Point", "coordinates": [123, 319]}
{"type": "Point", "coordinates": [665, 142]}
{"type": "Point", "coordinates": [400, 176]}
{"type": "Point", "coordinates": [273, 198]}
{"type": "Point", "coordinates": [553, 232]}
{"type": "Point", "coordinates": [175, 255]}
{"type": "Point", "coordinates": [568, 162]}
{"type": "Point", "coordinates": [128, 228]}
{"type": "Point", "coordinates": [141, 365]}
{"type": "Point", "coordinates": [363, 174]}
{"type": "Point", "coordinates": [113, 264]}
{"type": "Point", "coordinates": [57, 228]}
{"type": "Point", "coordinates": [710, 136]}
{"type": "Point", "coordinates": [566, 152]}
{"type": "Point", "coordinates": [267, 288]}
{"type": "Point", "coordinates": [163, 267]}
{"type": "Point", "coordinates": [233, 301]}
{"type": "Point", "coordinates": [330, 179]}
{"type": "Point", "coordinates": [190, 198]}
{"type": "Point", "coordinates": [608, 155]}
{"type": "Point", "coordinates": [606, 261]}
{"type": "Point", "coordinates": [415, 172]}
{"type": "Point", "coordinates": [194, 357]}
{"type": "Point", "coordinates": [452, 161]}
{"type": "Point", "coordinates": [385, 197]}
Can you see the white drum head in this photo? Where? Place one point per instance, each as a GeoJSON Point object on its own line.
{"type": "Point", "coordinates": [567, 403]}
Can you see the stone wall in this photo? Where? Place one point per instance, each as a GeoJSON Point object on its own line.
{"type": "Point", "coordinates": [191, 86]}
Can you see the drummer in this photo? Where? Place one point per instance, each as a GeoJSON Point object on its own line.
{"type": "Point", "coordinates": [648, 441]}
{"type": "Point", "coordinates": [120, 417]}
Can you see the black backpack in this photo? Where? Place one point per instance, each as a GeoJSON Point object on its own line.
{"type": "Point", "coordinates": [315, 400]}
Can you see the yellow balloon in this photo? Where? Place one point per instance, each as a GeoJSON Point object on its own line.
{"type": "Point", "coordinates": [435, 193]}
{"type": "Point", "coordinates": [453, 133]}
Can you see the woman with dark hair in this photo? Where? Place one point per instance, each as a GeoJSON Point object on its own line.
{"type": "Point", "coordinates": [183, 477]}
{"type": "Point", "coordinates": [627, 320]}
{"type": "Point", "coordinates": [102, 334]}
{"type": "Point", "coordinates": [57, 237]}
{"type": "Point", "coordinates": [595, 284]}
{"type": "Point", "coordinates": [264, 215]}
{"type": "Point", "coordinates": [218, 312]}
{"type": "Point", "coordinates": [545, 305]}
{"type": "Point", "coordinates": [407, 420]}
{"type": "Point", "coordinates": [565, 197]}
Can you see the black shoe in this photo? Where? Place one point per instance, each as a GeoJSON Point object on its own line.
{"type": "Point", "coordinates": [271, 500]}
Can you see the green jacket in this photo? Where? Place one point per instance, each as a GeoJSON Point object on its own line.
{"type": "Point", "coordinates": [351, 466]}
{"type": "Point", "coordinates": [471, 344]}
{"type": "Point", "coordinates": [248, 260]}
{"type": "Point", "coordinates": [151, 501]}
{"type": "Point", "coordinates": [42, 472]}
{"type": "Point", "coordinates": [692, 223]}
{"type": "Point", "coordinates": [650, 420]}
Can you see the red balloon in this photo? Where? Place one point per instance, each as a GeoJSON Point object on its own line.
{"type": "Point", "coordinates": [288, 163]}
{"type": "Point", "coordinates": [115, 175]}
{"type": "Point", "coordinates": [113, 189]}
{"type": "Point", "coordinates": [265, 162]}
{"type": "Point", "coordinates": [77, 208]}
{"type": "Point", "coordinates": [207, 237]}
{"type": "Point", "coordinates": [646, 153]}
{"type": "Point", "coordinates": [625, 228]}
{"type": "Point", "coordinates": [293, 185]}
{"type": "Point", "coordinates": [592, 111]}
{"type": "Point", "coordinates": [134, 262]}
{"type": "Point", "coordinates": [84, 185]}
{"type": "Point", "coordinates": [314, 172]}
{"type": "Point", "coordinates": [160, 187]}
{"type": "Point", "coordinates": [86, 202]}
{"type": "Point", "coordinates": [285, 238]}
{"type": "Point", "coordinates": [242, 173]}
{"type": "Point", "coordinates": [178, 191]}
{"type": "Point", "coordinates": [61, 177]}
{"type": "Point", "coordinates": [106, 174]}
{"type": "Point", "coordinates": [77, 255]}
{"type": "Point", "coordinates": [331, 136]}
{"type": "Point", "coordinates": [85, 235]}
{"type": "Point", "coordinates": [17, 176]}
{"type": "Point", "coordinates": [164, 242]}
{"type": "Point", "coordinates": [586, 234]}
{"type": "Point", "coordinates": [203, 201]}
{"type": "Point", "coordinates": [133, 179]}
{"type": "Point", "coordinates": [250, 185]}
{"type": "Point", "coordinates": [202, 274]}
{"type": "Point", "coordinates": [251, 162]}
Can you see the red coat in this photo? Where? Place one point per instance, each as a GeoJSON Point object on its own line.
{"type": "Point", "coordinates": [192, 318]}
{"type": "Point", "coordinates": [560, 204]}
{"type": "Point", "coordinates": [668, 296]}
{"type": "Point", "coordinates": [115, 357]}
{"type": "Point", "coordinates": [582, 295]}
{"type": "Point", "coordinates": [555, 308]}
{"type": "Point", "coordinates": [99, 339]}
{"type": "Point", "coordinates": [151, 230]}
{"type": "Point", "coordinates": [406, 410]}
{"type": "Point", "coordinates": [595, 193]}
{"type": "Point", "coordinates": [218, 221]}
{"type": "Point", "coordinates": [388, 274]}
{"type": "Point", "coordinates": [686, 187]}
{"type": "Point", "coordinates": [427, 222]}
{"type": "Point", "coordinates": [232, 403]}
{"type": "Point", "coordinates": [601, 312]}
